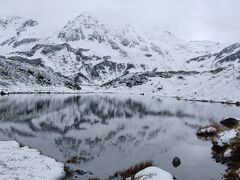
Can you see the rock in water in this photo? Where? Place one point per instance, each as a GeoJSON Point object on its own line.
{"type": "Point", "coordinates": [153, 173]}
{"type": "Point", "coordinates": [238, 103]}
{"type": "Point", "coordinates": [230, 122]}
{"type": "Point", "coordinates": [207, 131]}
{"type": "Point", "coordinates": [2, 93]}
{"type": "Point", "coordinates": [176, 162]}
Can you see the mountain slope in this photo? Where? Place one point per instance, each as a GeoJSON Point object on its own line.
{"type": "Point", "coordinates": [88, 52]}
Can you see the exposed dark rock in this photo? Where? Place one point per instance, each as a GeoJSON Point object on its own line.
{"type": "Point", "coordinates": [24, 41]}
{"type": "Point", "coordinates": [113, 45]}
{"type": "Point", "coordinates": [2, 57]}
{"type": "Point", "coordinates": [200, 58]}
{"type": "Point", "coordinates": [148, 55]}
{"type": "Point", "coordinates": [176, 162]}
{"type": "Point", "coordinates": [2, 93]}
{"type": "Point", "coordinates": [27, 23]}
{"type": "Point", "coordinates": [238, 103]}
{"type": "Point", "coordinates": [79, 78]}
{"type": "Point", "coordinates": [106, 67]}
{"type": "Point", "coordinates": [51, 49]}
{"type": "Point", "coordinates": [125, 42]}
{"type": "Point", "coordinates": [73, 86]}
{"type": "Point", "coordinates": [22, 70]}
{"type": "Point", "coordinates": [230, 58]}
{"type": "Point", "coordinates": [75, 174]}
{"type": "Point", "coordinates": [8, 41]}
{"type": "Point", "coordinates": [105, 58]}
{"type": "Point", "coordinates": [25, 60]}
{"type": "Point", "coordinates": [230, 122]}
{"type": "Point", "coordinates": [180, 77]}
{"type": "Point", "coordinates": [227, 50]}
{"type": "Point", "coordinates": [215, 71]}
{"type": "Point", "coordinates": [76, 35]}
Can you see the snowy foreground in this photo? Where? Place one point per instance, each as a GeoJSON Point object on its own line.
{"type": "Point", "coordinates": [23, 163]}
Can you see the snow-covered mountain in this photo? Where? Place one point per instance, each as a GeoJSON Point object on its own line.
{"type": "Point", "coordinates": [88, 52]}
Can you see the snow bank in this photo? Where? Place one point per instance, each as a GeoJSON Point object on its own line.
{"type": "Point", "coordinates": [153, 173]}
{"type": "Point", "coordinates": [23, 163]}
{"type": "Point", "coordinates": [226, 136]}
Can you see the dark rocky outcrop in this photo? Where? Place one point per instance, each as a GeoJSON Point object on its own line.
{"type": "Point", "coordinates": [32, 72]}
{"type": "Point", "coordinates": [25, 60]}
{"type": "Point", "coordinates": [228, 50]}
{"type": "Point", "coordinates": [230, 122]}
{"type": "Point", "coordinates": [24, 41]}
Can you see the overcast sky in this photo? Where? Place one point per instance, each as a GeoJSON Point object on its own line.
{"type": "Point", "coordinates": [217, 20]}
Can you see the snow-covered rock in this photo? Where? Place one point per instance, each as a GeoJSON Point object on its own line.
{"type": "Point", "coordinates": [227, 153]}
{"type": "Point", "coordinates": [153, 173]}
{"type": "Point", "coordinates": [24, 163]}
{"type": "Point", "coordinates": [205, 131]}
{"type": "Point", "coordinates": [225, 137]}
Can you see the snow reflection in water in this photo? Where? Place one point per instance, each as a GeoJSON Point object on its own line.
{"type": "Point", "coordinates": [109, 133]}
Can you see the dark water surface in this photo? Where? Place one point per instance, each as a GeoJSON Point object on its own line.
{"type": "Point", "coordinates": [113, 132]}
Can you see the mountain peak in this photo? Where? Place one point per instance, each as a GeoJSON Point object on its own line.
{"type": "Point", "coordinates": [86, 18]}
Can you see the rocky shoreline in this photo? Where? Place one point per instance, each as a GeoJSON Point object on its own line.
{"type": "Point", "coordinates": [225, 138]}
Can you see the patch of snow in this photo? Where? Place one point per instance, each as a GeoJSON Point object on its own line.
{"type": "Point", "coordinates": [226, 136]}
{"type": "Point", "coordinates": [208, 130]}
{"type": "Point", "coordinates": [153, 173]}
{"type": "Point", "coordinates": [24, 163]}
{"type": "Point", "coordinates": [227, 153]}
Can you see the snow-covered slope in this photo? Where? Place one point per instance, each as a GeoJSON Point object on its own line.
{"type": "Point", "coordinates": [87, 51]}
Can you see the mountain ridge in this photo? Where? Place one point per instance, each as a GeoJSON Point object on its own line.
{"type": "Point", "coordinates": [92, 53]}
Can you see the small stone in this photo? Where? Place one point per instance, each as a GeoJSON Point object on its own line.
{"type": "Point", "coordinates": [207, 131]}
{"type": "Point", "coordinates": [176, 162]}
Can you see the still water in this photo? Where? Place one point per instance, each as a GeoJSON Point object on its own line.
{"type": "Point", "coordinates": [110, 133]}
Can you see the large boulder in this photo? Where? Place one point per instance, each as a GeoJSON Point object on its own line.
{"type": "Point", "coordinates": [207, 131]}
{"type": "Point", "coordinates": [153, 173]}
{"type": "Point", "coordinates": [230, 122]}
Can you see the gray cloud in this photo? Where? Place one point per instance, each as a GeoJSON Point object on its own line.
{"type": "Point", "coordinates": [217, 20]}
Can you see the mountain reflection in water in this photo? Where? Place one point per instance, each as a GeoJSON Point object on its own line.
{"type": "Point", "coordinates": [109, 133]}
